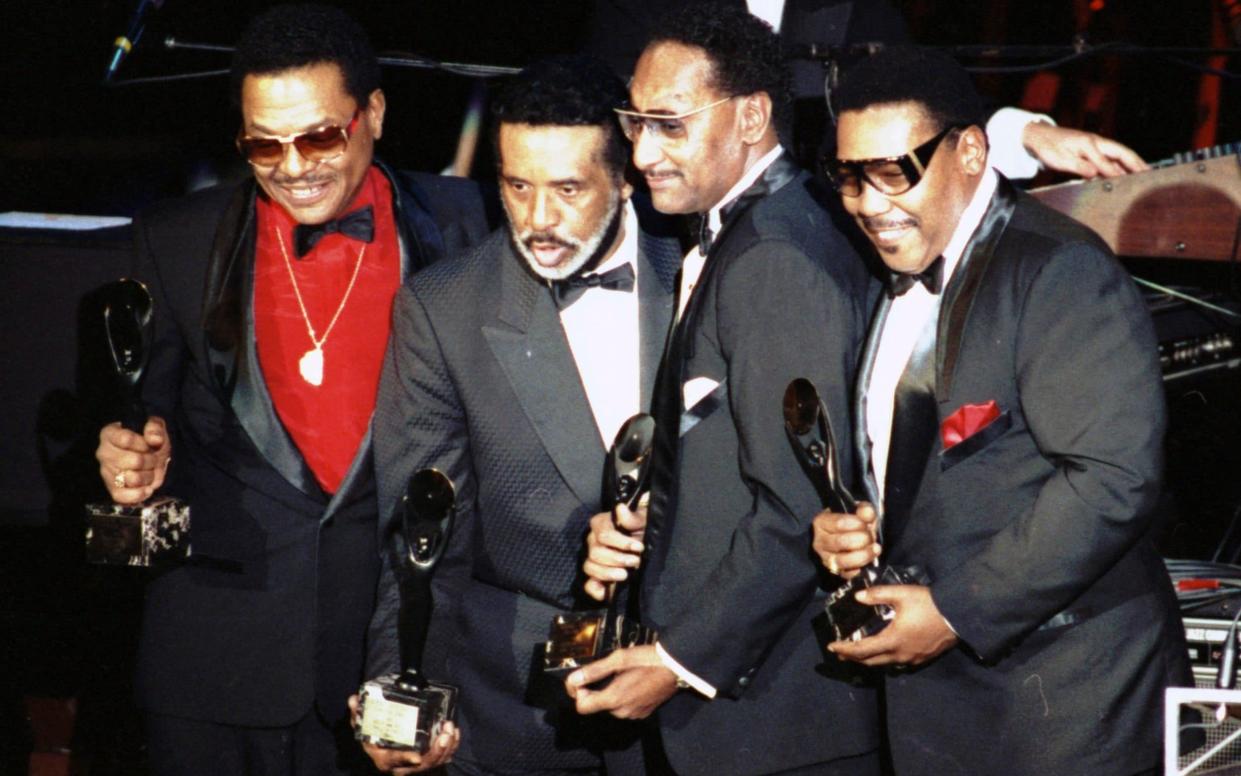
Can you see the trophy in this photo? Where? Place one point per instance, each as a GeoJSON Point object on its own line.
{"type": "Point", "coordinates": [157, 530]}
{"type": "Point", "coordinates": [578, 638]}
{"type": "Point", "coordinates": [406, 710]}
{"type": "Point", "coordinates": [809, 430]}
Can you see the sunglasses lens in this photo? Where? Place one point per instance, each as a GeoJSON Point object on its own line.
{"type": "Point", "coordinates": [845, 178]}
{"type": "Point", "coordinates": [889, 178]}
{"type": "Point", "coordinates": [669, 129]}
{"type": "Point", "coordinates": [260, 150]}
{"type": "Point", "coordinates": [631, 126]}
{"type": "Point", "coordinates": [322, 144]}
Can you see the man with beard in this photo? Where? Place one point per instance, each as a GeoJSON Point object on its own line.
{"type": "Point", "coordinates": [264, 381]}
{"type": "Point", "coordinates": [773, 292]}
{"type": "Point", "coordinates": [510, 370]}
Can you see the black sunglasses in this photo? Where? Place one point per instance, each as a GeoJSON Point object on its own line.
{"type": "Point", "coordinates": [890, 175]}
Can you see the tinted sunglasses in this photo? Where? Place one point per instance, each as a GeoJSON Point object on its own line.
{"type": "Point", "coordinates": [317, 145]}
{"type": "Point", "coordinates": [662, 127]}
{"type": "Point", "coordinates": [890, 175]}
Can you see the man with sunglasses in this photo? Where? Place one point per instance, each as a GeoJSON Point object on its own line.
{"type": "Point", "coordinates": [772, 292]}
{"type": "Point", "coordinates": [1011, 420]}
{"type": "Point", "coordinates": [272, 304]}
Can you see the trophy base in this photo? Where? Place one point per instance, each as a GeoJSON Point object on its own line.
{"type": "Point", "coordinates": [844, 619]}
{"type": "Point", "coordinates": [146, 534]}
{"type": "Point", "coordinates": [583, 637]}
{"type": "Point", "coordinates": [394, 715]}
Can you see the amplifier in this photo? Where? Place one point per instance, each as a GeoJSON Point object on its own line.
{"type": "Point", "coordinates": [1194, 340]}
{"type": "Point", "coordinates": [1205, 638]}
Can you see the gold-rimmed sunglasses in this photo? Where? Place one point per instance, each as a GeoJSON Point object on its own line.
{"type": "Point", "coordinates": [662, 127]}
{"type": "Point", "coordinates": [318, 145]}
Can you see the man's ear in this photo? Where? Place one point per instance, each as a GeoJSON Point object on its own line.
{"type": "Point", "coordinates": [971, 150]}
{"type": "Point", "coordinates": [376, 104]}
{"type": "Point", "coordinates": [755, 117]}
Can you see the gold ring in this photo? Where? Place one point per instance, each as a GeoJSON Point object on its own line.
{"type": "Point", "coordinates": [119, 479]}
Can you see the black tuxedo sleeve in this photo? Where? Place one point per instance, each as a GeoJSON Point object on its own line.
{"type": "Point", "coordinates": [1086, 370]}
{"type": "Point", "coordinates": [419, 423]}
{"type": "Point", "coordinates": [780, 315]}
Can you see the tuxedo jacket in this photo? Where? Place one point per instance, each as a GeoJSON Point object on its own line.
{"type": "Point", "coordinates": [270, 614]}
{"type": "Point", "coordinates": [729, 580]}
{"type": "Point", "coordinates": [480, 384]}
{"type": "Point", "coordinates": [1035, 529]}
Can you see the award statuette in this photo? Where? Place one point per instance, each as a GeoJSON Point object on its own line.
{"type": "Point", "coordinates": [158, 529]}
{"type": "Point", "coordinates": [406, 710]}
{"type": "Point", "coordinates": [809, 430]}
{"type": "Point", "coordinates": [578, 638]}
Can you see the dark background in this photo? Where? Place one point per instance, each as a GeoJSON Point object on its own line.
{"type": "Point", "coordinates": [72, 145]}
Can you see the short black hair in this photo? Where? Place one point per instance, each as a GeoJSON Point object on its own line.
{"type": "Point", "coordinates": [286, 37]}
{"type": "Point", "coordinates": [746, 55]}
{"type": "Point", "coordinates": [931, 79]}
{"type": "Point", "coordinates": [567, 91]}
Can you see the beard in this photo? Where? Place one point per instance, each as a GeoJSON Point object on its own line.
{"type": "Point", "coordinates": [584, 253]}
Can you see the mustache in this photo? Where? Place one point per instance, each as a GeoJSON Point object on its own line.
{"type": "Point", "coordinates": [281, 179]}
{"type": "Point", "coordinates": [530, 238]}
{"type": "Point", "coordinates": [880, 224]}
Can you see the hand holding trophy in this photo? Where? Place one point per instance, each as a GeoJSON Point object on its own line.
{"type": "Point", "coordinates": [809, 430]}
{"type": "Point", "coordinates": [406, 710]}
{"type": "Point", "coordinates": [156, 530]}
{"type": "Point", "coordinates": [578, 638]}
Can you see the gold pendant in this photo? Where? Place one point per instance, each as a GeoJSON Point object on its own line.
{"type": "Point", "coordinates": [311, 366]}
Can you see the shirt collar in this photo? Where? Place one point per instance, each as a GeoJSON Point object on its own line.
{"type": "Point", "coordinates": [714, 220]}
{"type": "Point", "coordinates": [971, 217]}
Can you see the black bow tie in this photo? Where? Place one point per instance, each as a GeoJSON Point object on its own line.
{"type": "Point", "coordinates": [360, 225]}
{"type": "Point", "coordinates": [569, 290]}
{"type": "Point", "coordinates": [705, 235]}
{"type": "Point", "coordinates": [932, 278]}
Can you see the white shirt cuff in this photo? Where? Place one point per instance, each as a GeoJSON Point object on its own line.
{"type": "Point", "coordinates": [695, 682]}
{"type": "Point", "coordinates": [1008, 154]}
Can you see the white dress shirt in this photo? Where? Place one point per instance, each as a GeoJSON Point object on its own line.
{"type": "Point", "coordinates": [603, 329]}
{"type": "Point", "coordinates": [696, 259]}
{"type": "Point", "coordinates": [908, 316]}
{"type": "Point", "coordinates": [769, 11]}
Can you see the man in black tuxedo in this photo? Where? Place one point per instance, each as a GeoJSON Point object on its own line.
{"type": "Point", "coordinates": [511, 369]}
{"type": "Point", "coordinates": [773, 292]}
{"type": "Point", "coordinates": [1011, 420]}
{"type": "Point", "coordinates": [269, 337]}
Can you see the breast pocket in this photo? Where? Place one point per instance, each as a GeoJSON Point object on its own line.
{"type": "Point", "coordinates": [701, 397]}
{"type": "Point", "coordinates": [976, 442]}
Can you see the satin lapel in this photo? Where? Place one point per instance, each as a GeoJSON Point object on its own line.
{"type": "Point", "coordinates": [963, 286]}
{"type": "Point", "coordinates": [223, 317]}
{"type": "Point", "coordinates": [534, 353]}
{"type": "Point", "coordinates": [915, 427]}
{"type": "Point", "coordinates": [660, 257]}
{"type": "Point", "coordinates": [419, 236]}
{"type": "Point", "coordinates": [360, 470]}
{"type": "Point", "coordinates": [861, 439]}
{"type": "Point", "coordinates": [250, 401]}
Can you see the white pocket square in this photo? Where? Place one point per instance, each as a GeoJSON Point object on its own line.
{"type": "Point", "coordinates": [696, 389]}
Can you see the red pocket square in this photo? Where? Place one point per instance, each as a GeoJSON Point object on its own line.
{"type": "Point", "coordinates": [967, 421]}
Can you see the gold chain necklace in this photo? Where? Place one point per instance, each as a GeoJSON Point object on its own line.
{"type": "Point", "coordinates": [310, 365]}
